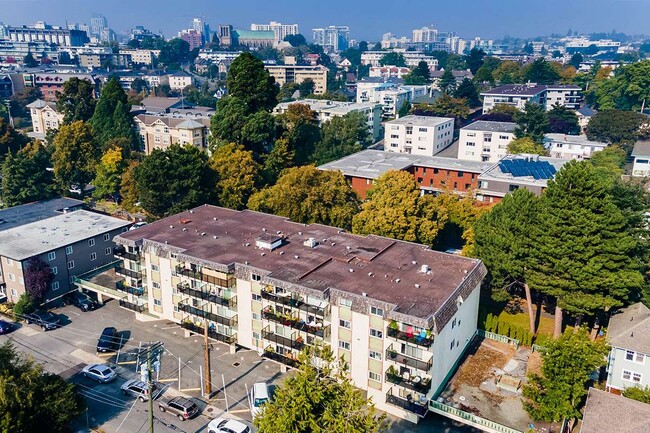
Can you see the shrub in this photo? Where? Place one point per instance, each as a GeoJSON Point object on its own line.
{"type": "Point", "coordinates": [24, 305]}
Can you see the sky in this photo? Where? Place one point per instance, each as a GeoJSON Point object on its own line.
{"type": "Point", "coordinates": [368, 19]}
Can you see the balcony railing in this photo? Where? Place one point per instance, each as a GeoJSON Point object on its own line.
{"type": "Point", "coordinates": [212, 333]}
{"type": "Point", "coordinates": [275, 356]}
{"type": "Point", "coordinates": [133, 306]}
{"type": "Point", "coordinates": [417, 407]}
{"type": "Point", "coordinates": [128, 273]}
{"type": "Point", "coordinates": [200, 276]}
{"type": "Point", "coordinates": [410, 337]}
{"type": "Point", "coordinates": [123, 254]}
{"type": "Point", "coordinates": [123, 287]}
{"type": "Point", "coordinates": [294, 342]}
{"type": "Point", "coordinates": [198, 312]}
{"type": "Point", "coordinates": [417, 384]}
{"type": "Point", "coordinates": [206, 296]}
{"type": "Point", "coordinates": [395, 356]}
{"type": "Point", "coordinates": [300, 325]}
{"type": "Point", "coordinates": [296, 303]}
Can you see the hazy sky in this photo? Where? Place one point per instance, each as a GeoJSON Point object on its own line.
{"type": "Point", "coordinates": [368, 19]}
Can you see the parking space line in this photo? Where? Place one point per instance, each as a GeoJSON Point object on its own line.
{"type": "Point", "coordinates": [167, 380]}
{"type": "Point", "coordinates": [127, 362]}
{"type": "Point", "coordinates": [239, 411]}
{"type": "Point", "coordinates": [190, 389]}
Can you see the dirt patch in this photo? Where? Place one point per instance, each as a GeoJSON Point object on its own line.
{"type": "Point", "coordinates": [478, 365]}
{"type": "Point", "coordinates": [534, 363]}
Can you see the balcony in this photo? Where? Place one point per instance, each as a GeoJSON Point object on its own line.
{"type": "Point", "coordinates": [137, 275]}
{"type": "Point", "coordinates": [206, 296]}
{"type": "Point", "coordinates": [123, 287]}
{"type": "Point", "coordinates": [200, 276]}
{"type": "Point", "coordinates": [212, 333]}
{"type": "Point", "coordinates": [318, 329]}
{"type": "Point", "coordinates": [420, 408]}
{"type": "Point", "coordinates": [419, 339]}
{"type": "Point", "coordinates": [269, 353]}
{"type": "Point", "coordinates": [294, 342]}
{"type": "Point", "coordinates": [418, 384]}
{"type": "Point", "coordinates": [198, 312]}
{"type": "Point", "coordinates": [288, 300]}
{"type": "Point", "coordinates": [394, 356]}
{"type": "Point", "coordinates": [125, 255]}
{"type": "Point", "coordinates": [134, 305]}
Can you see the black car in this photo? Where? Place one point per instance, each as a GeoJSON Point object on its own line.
{"type": "Point", "coordinates": [109, 340]}
{"type": "Point", "coordinates": [81, 301]}
{"type": "Point", "coordinates": [5, 327]}
{"type": "Point", "coordinates": [44, 319]}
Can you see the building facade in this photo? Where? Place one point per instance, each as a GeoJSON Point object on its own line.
{"type": "Point", "coordinates": [140, 56]}
{"type": "Point", "coordinates": [411, 58]}
{"type": "Point", "coordinates": [571, 146]}
{"type": "Point", "coordinates": [52, 82]}
{"type": "Point", "coordinates": [44, 117]}
{"type": "Point", "coordinates": [179, 80]}
{"type": "Point", "coordinates": [418, 135]}
{"type": "Point", "coordinates": [485, 141]}
{"type": "Point", "coordinates": [641, 155]}
{"type": "Point", "coordinates": [517, 95]}
{"type": "Point", "coordinates": [332, 38]}
{"type": "Point", "coordinates": [49, 34]}
{"type": "Point", "coordinates": [297, 74]}
{"type": "Point", "coordinates": [162, 130]}
{"type": "Point", "coordinates": [280, 30]}
{"type": "Point", "coordinates": [390, 93]}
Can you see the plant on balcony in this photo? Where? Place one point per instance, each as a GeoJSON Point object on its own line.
{"type": "Point", "coordinates": [393, 374]}
{"type": "Point", "coordinates": [269, 349]}
{"type": "Point", "coordinates": [393, 326]}
{"type": "Point", "coordinates": [299, 340]}
{"type": "Point", "coordinates": [392, 353]}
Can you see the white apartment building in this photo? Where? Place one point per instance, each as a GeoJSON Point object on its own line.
{"type": "Point", "coordinates": [388, 71]}
{"type": "Point", "coordinates": [641, 154]}
{"type": "Point", "coordinates": [159, 131]}
{"type": "Point", "coordinates": [418, 135]}
{"type": "Point", "coordinates": [326, 110]}
{"type": "Point", "coordinates": [297, 74]}
{"type": "Point", "coordinates": [44, 117]}
{"type": "Point", "coordinates": [566, 95]}
{"type": "Point", "coordinates": [390, 95]}
{"type": "Point", "coordinates": [411, 58]}
{"type": "Point", "coordinates": [425, 34]}
{"type": "Point", "coordinates": [141, 57]}
{"type": "Point", "coordinates": [485, 141]}
{"type": "Point", "coordinates": [180, 80]}
{"type": "Point", "coordinates": [400, 314]}
{"type": "Point", "coordinates": [518, 95]}
{"type": "Point", "coordinates": [332, 38]}
{"type": "Point", "coordinates": [571, 146]}
{"type": "Point", "coordinates": [280, 30]}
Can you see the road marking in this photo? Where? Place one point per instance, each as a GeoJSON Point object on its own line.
{"type": "Point", "coordinates": [190, 389]}
{"type": "Point", "coordinates": [127, 362]}
{"type": "Point", "coordinates": [171, 327]}
{"type": "Point", "coordinates": [167, 380]}
{"type": "Point", "coordinates": [239, 411]}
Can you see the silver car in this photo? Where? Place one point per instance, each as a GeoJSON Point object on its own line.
{"type": "Point", "coordinates": [99, 372]}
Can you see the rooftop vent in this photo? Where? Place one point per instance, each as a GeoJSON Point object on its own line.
{"type": "Point", "coordinates": [171, 227]}
{"type": "Point", "coordinates": [296, 256]}
{"type": "Point", "coordinates": [268, 242]}
{"type": "Point", "coordinates": [184, 229]}
{"type": "Point", "coordinates": [364, 294]}
{"type": "Point", "coordinates": [333, 243]}
{"type": "Point", "coordinates": [351, 270]}
{"type": "Point", "coordinates": [397, 280]}
{"type": "Point", "coordinates": [214, 218]}
{"type": "Point", "coordinates": [424, 269]}
{"type": "Point", "coordinates": [310, 243]}
{"type": "Point", "coordinates": [414, 262]}
{"type": "Point", "coordinates": [417, 286]}
{"type": "Point", "coordinates": [214, 237]}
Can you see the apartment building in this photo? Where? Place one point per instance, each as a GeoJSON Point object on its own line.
{"type": "Point", "coordinates": [566, 95]}
{"type": "Point", "coordinates": [179, 80]}
{"type": "Point", "coordinates": [297, 74]}
{"type": "Point", "coordinates": [518, 95]}
{"type": "Point", "coordinates": [390, 93]}
{"type": "Point", "coordinates": [459, 76]}
{"type": "Point", "coordinates": [434, 174]}
{"type": "Point", "coordinates": [411, 58]}
{"type": "Point", "coordinates": [332, 38]}
{"type": "Point", "coordinates": [52, 82]}
{"type": "Point", "coordinates": [140, 56]}
{"type": "Point", "coordinates": [571, 146]}
{"type": "Point", "coordinates": [46, 33]}
{"type": "Point", "coordinates": [485, 141]}
{"type": "Point", "coordinates": [400, 314]}
{"type": "Point", "coordinates": [69, 240]}
{"type": "Point", "coordinates": [641, 155]}
{"type": "Point", "coordinates": [280, 30]}
{"type": "Point", "coordinates": [254, 39]}
{"type": "Point", "coordinates": [418, 135]}
{"type": "Point", "coordinates": [159, 131]}
{"type": "Point", "coordinates": [44, 117]}
{"type": "Point", "coordinates": [326, 110]}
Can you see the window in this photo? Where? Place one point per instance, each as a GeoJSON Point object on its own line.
{"type": "Point", "coordinates": [55, 270]}
{"type": "Point", "coordinates": [627, 374]}
{"type": "Point", "coordinates": [344, 323]}
{"type": "Point", "coordinates": [422, 129]}
{"type": "Point", "coordinates": [640, 358]}
{"type": "Point", "coordinates": [453, 343]}
{"type": "Point", "coordinates": [513, 188]}
{"type": "Point", "coordinates": [641, 161]}
{"type": "Point", "coordinates": [11, 277]}
{"type": "Point", "coordinates": [376, 311]}
{"type": "Point", "coordinates": [107, 237]}
{"type": "Point", "coordinates": [157, 302]}
{"type": "Point", "coordinates": [345, 303]}
{"type": "Point", "coordinates": [453, 324]}
{"type": "Point", "coordinates": [51, 256]}
{"type": "Point", "coordinates": [394, 136]}
{"type": "Point", "coordinates": [375, 355]}
{"type": "Point", "coordinates": [256, 316]}
{"type": "Point", "coordinates": [376, 333]}
{"type": "Point", "coordinates": [256, 336]}
{"type": "Point", "coordinates": [21, 281]}
{"type": "Point", "coordinates": [107, 251]}
{"type": "Point", "coordinates": [255, 277]}
{"type": "Point", "coordinates": [9, 261]}
{"type": "Point", "coordinates": [68, 250]}
{"type": "Point", "coordinates": [629, 355]}
{"type": "Point", "coordinates": [374, 376]}
{"type": "Point", "coordinates": [257, 297]}
{"type": "Point", "coordinates": [93, 256]}
{"type": "Point", "coordinates": [91, 242]}
{"type": "Point", "coordinates": [71, 264]}
{"type": "Point", "coordinates": [155, 284]}
{"type": "Point", "coordinates": [55, 285]}
{"type": "Point", "coordinates": [344, 345]}
{"type": "Point", "coordinates": [636, 377]}
{"type": "Point", "coordinates": [155, 268]}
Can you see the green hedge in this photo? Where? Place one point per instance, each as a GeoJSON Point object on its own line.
{"type": "Point", "coordinates": [494, 324]}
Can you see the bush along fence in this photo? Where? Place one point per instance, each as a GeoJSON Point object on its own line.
{"type": "Point", "coordinates": [495, 325]}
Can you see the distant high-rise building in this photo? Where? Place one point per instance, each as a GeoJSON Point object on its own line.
{"type": "Point", "coordinates": [203, 28]}
{"type": "Point", "coordinates": [281, 30]}
{"type": "Point", "coordinates": [3, 34]}
{"type": "Point", "coordinates": [97, 24]}
{"type": "Point", "coordinates": [425, 34]}
{"type": "Point", "coordinates": [192, 37]}
{"type": "Point", "coordinates": [225, 35]}
{"type": "Point", "coordinates": [332, 38]}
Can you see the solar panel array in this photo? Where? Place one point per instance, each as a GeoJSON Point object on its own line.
{"type": "Point", "coordinates": [527, 167]}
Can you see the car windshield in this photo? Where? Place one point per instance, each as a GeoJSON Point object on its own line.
{"type": "Point", "coordinates": [47, 316]}
{"type": "Point", "coordinates": [260, 401]}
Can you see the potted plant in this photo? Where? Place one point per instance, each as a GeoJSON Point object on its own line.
{"type": "Point", "coordinates": [393, 326]}
{"type": "Point", "coordinates": [392, 353]}
{"type": "Point", "coordinates": [393, 374]}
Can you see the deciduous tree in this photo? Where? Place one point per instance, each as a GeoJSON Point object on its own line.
{"type": "Point", "coordinates": [10, 139]}
{"type": "Point", "coordinates": [342, 136]}
{"type": "Point", "coordinates": [392, 59]}
{"type": "Point", "coordinates": [618, 127]}
{"type": "Point", "coordinates": [109, 173]}
{"type": "Point", "coordinates": [563, 120]}
{"type": "Point", "coordinates": [526, 145]}
{"type": "Point", "coordinates": [38, 276]}
{"type": "Point", "coordinates": [238, 175]}
{"type": "Point", "coordinates": [445, 106]}
{"type": "Point", "coordinates": [541, 72]}
{"type": "Point", "coordinates": [75, 155]}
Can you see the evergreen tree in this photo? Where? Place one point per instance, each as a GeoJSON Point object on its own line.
{"type": "Point", "coordinates": [541, 72]}
{"type": "Point", "coordinates": [281, 157]}
{"type": "Point", "coordinates": [447, 82]}
{"type": "Point", "coordinates": [112, 116]}
{"type": "Point", "coordinates": [10, 139]}
{"type": "Point", "coordinates": [249, 82]}
{"type": "Point", "coordinates": [532, 122]}
{"type": "Point", "coordinates": [475, 59]}
{"type": "Point", "coordinates": [25, 176]}
{"type": "Point", "coordinates": [467, 90]}
{"type": "Point", "coordinates": [29, 61]}
{"type": "Point", "coordinates": [76, 102]}
{"type": "Point", "coordinates": [563, 120]}
{"type": "Point", "coordinates": [342, 136]}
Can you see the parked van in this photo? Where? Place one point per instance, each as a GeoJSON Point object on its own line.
{"type": "Point", "coordinates": [259, 396]}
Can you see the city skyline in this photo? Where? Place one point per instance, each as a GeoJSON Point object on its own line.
{"type": "Point", "coordinates": [489, 21]}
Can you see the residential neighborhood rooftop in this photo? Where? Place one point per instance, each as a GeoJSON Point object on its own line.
{"type": "Point", "coordinates": [536, 171]}
{"type": "Point", "coordinates": [641, 148]}
{"type": "Point", "coordinates": [573, 139]}
{"type": "Point", "coordinates": [420, 120]}
{"type": "Point", "coordinates": [605, 412]}
{"type": "Point", "coordinates": [629, 328]}
{"type": "Point", "coordinates": [36, 211]}
{"type": "Point", "coordinates": [517, 89]}
{"type": "Point", "coordinates": [486, 125]}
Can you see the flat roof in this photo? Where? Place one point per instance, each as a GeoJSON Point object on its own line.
{"type": "Point", "coordinates": [573, 139]}
{"type": "Point", "coordinates": [26, 213]}
{"type": "Point", "coordinates": [420, 120]}
{"type": "Point", "coordinates": [487, 125]}
{"type": "Point", "coordinates": [370, 164]}
{"type": "Point", "coordinates": [378, 268]}
{"type": "Point", "coordinates": [516, 90]}
{"type": "Point", "coordinates": [319, 105]}
{"type": "Point", "coordinates": [28, 240]}
{"type": "Point", "coordinates": [496, 171]}
{"type": "Point", "coordinates": [605, 412]}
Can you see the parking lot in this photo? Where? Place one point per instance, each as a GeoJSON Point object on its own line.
{"type": "Point", "coordinates": [69, 348]}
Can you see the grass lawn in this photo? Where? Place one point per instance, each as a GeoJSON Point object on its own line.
{"type": "Point", "coordinates": [488, 305]}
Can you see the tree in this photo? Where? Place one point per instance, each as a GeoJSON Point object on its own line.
{"type": "Point", "coordinates": [567, 363]}
{"type": "Point", "coordinates": [33, 400]}
{"type": "Point", "coordinates": [109, 174]}
{"type": "Point", "coordinates": [618, 127]}
{"type": "Point", "coordinates": [627, 90]}
{"type": "Point", "coordinates": [395, 209]}
{"type": "Point", "coordinates": [75, 155]}
{"type": "Point", "coordinates": [474, 59]}
{"type": "Point", "coordinates": [576, 60]}
{"type": "Point", "coordinates": [526, 145]}
{"type": "Point", "coordinates": [25, 176]}
{"type": "Point", "coordinates": [295, 40]}
{"type": "Point", "coordinates": [582, 252]}
{"type": "Point", "coordinates": [447, 82]}
{"type": "Point", "coordinates": [170, 181]}
{"type": "Point", "coordinates": [38, 276]}
{"type": "Point", "coordinates": [281, 157]}
{"type": "Point", "coordinates": [249, 82]}
{"type": "Point", "coordinates": [541, 72]}
{"type": "Point", "coordinates": [173, 53]}
{"type": "Point", "coordinates": [392, 59]}
{"type": "Point", "coordinates": [405, 109]}
{"type": "Point", "coordinates": [484, 75]}
{"type": "Point", "coordinates": [258, 133]}
{"type": "Point", "coordinates": [20, 99]}
{"type": "Point", "coordinates": [609, 163]}
{"type": "Point", "coordinates": [502, 241]}
{"type": "Point", "coordinates": [532, 122]}
{"type": "Point", "coordinates": [112, 117]}
{"type": "Point", "coordinates": [76, 102]}
{"type": "Point", "coordinates": [342, 136]}
{"type": "Point", "coordinates": [467, 90]}
{"type": "Point", "coordinates": [300, 125]}
{"type": "Point", "coordinates": [500, 113]}
{"type": "Point", "coordinates": [445, 106]}
{"type": "Point", "coordinates": [129, 187]}
{"type": "Point", "coordinates": [308, 195]}
{"type": "Point", "coordinates": [508, 72]}
{"type": "Point", "coordinates": [319, 398]}
{"type": "Point", "coordinates": [637, 393]}
{"type": "Point", "coordinates": [139, 85]}
{"type": "Point", "coordinates": [456, 62]}
{"type": "Point", "coordinates": [306, 87]}
{"type": "Point", "coordinates": [419, 75]}
{"type": "Point", "coordinates": [10, 139]}
{"type": "Point", "coordinates": [563, 120]}
{"type": "Point", "coordinates": [29, 61]}
{"type": "Point", "coordinates": [238, 175]}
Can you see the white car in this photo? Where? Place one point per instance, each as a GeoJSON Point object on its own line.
{"type": "Point", "coordinates": [99, 372]}
{"type": "Point", "coordinates": [222, 425]}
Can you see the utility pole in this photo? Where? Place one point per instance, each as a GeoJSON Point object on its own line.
{"type": "Point", "coordinates": [206, 347]}
{"type": "Point", "coordinates": [150, 352]}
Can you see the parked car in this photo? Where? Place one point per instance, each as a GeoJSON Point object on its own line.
{"type": "Point", "coordinates": [138, 225]}
{"type": "Point", "coordinates": [44, 319]}
{"type": "Point", "coordinates": [138, 389]}
{"type": "Point", "coordinates": [99, 372]}
{"type": "Point", "coordinates": [81, 301]}
{"type": "Point", "coordinates": [182, 407]}
{"type": "Point", "coordinates": [259, 396]}
{"type": "Point", "coordinates": [5, 327]}
{"type": "Point", "coordinates": [108, 341]}
{"type": "Point", "coordinates": [222, 425]}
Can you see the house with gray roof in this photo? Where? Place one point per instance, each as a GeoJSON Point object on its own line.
{"type": "Point", "coordinates": [517, 95]}
{"type": "Point", "coordinates": [485, 141]}
{"type": "Point", "coordinates": [159, 131]}
{"type": "Point", "coordinates": [641, 155]}
{"type": "Point", "coordinates": [608, 413]}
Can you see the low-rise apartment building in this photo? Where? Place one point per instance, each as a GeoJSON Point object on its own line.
{"type": "Point", "coordinates": [517, 95]}
{"type": "Point", "coordinates": [485, 140]}
{"type": "Point", "coordinates": [411, 58]}
{"type": "Point", "coordinates": [641, 155]}
{"type": "Point", "coordinates": [571, 146]}
{"type": "Point", "coordinates": [400, 314]}
{"type": "Point", "coordinates": [140, 56]}
{"type": "Point", "coordinates": [50, 83]}
{"type": "Point", "coordinates": [459, 76]}
{"type": "Point", "coordinates": [391, 93]}
{"type": "Point", "coordinates": [69, 240]}
{"type": "Point", "coordinates": [179, 80]}
{"type": "Point", "coordinates": [297, 74]}
{"type": "Point", "coordinates": [418, 135]}
{"type": "Point", "coordinates": [326, 110]}
{"type": "Point", "coordinates": [44, 117]}
{"type": "Point", "coordinates": [159, 131]}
